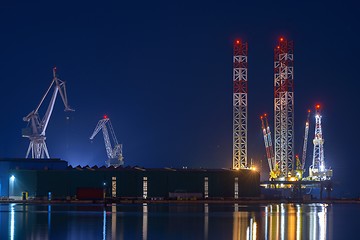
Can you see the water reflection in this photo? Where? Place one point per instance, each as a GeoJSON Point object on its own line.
{"type": "Point", "coordinates": [104, 225]}
{"type": "Point", "coordinates": [145, 221]}
{"type": "Point", "coordinates": [113, 221]}
{"type": "Point", "coordinates": [12, 221]}
{"type": "Point", "coordinates": [206, 221]}
{"type": "Point", "coordinates": [244, 225]}
{"type": "Point", "coordinates": [281, 221]}
{"type": "Point", "coordinates": [175, 221]}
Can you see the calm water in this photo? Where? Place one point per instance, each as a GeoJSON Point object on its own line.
{"type": "Point", "coordinates": [180, 221]}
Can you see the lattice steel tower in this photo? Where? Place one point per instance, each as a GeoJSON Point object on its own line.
{"type": "Point", "coordinates": [318, 163]}
{"type": "Point", "coordinates": [240, 65]}
{"type": "Point", "coordinates": [317, 170]}
{"type": "Point", "coordinates": [284, 106]}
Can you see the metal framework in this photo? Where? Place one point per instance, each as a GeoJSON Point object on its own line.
{"type": "Point", "coordinates": [318, 163]}
{"type": "Point", "coordinates": [306, 135]}
{"type": "Point", "coordinates": [36, 128]}
{"type": "Point", "coordinates": [115, 156]}
{"type": "Point", "coordinates": [284, 106]}
{"type": "Point", "coordinates": [317, 170]}
{"type": "Point", "coordinates": [266, 142]}
{"type": "Point", "coordinates": [240, 106]}
{"type": "Point", "coordinates": [273, 167]}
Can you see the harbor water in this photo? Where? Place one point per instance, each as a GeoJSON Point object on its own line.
{"type": "Point", "coordinates": [179, 221]}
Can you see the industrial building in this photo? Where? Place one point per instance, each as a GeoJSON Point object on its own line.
{"type": "Point", "coordinates": [54, 179]}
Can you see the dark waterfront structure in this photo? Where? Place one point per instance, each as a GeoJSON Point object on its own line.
{"type": "Point", "coordinates": [52, 178]}
{"type": "Point", "coordinates": [8, 165]}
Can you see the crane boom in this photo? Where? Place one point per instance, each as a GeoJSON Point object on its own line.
{"type": "Point", "coordinates": [115, 157]}
{"type": "Point", "coordinates": [273, 167]}
{"type": "Point", "coordinates": [271, 149]}
{"type": "Point", "coordinates": [36, 128]}
{"type": "Point", "coordinates": [98, 127]}
{"type": "Point", "coordinates": [306, 135]}
{"type": "Point", "coordinates": [266, 143]}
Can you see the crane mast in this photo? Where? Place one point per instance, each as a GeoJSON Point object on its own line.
{"type": "Point", "coordinates": [36, 128]}
{"type": "Point", "coordinates": [115, 156]}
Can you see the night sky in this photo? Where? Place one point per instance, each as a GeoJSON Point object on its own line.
{"type": "Point", "coordinates": [162, 72]}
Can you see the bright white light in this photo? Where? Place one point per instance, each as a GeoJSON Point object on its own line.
{"type": "Point", "coordinates": [322, 168]}
{"type": "Point", "coordinates": [12, 178]}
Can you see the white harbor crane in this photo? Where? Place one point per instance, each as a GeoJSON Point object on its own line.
{"type": "Point", "coordinates": [115, 157]}
{"type": "Point", "coordinates": [36, 128]}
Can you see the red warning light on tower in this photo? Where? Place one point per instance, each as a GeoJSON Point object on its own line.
{"type": "Point", "coordinates": [317, 106]}
{"type": "Point", "coordinates": [105, 116]}
{"type": "Point", "coordinates": [237, 41]}
{"type": "Point", "coordinates": [281, 39]}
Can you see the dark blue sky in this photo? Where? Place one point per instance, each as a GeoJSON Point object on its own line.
{"type": "Point", "coordinates": [162, 71]}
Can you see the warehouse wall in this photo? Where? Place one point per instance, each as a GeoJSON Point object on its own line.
{"type": "Point", "coordinates": [129, 182]}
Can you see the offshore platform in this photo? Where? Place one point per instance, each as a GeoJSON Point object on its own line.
{"type": "Point", "coordinates": [286, 170]}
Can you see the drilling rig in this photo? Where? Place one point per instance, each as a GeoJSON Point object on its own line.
{"type": "Point", "coordinates": [115, 156]}
{"type": "Point", "coordinates": [317, 170]}
{"type": "Point", "coordinates": [36, 128]}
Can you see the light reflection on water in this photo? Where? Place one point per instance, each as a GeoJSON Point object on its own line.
{"type": "Point", "coordinates": [175, 221]}
{"type": "Point", "coordinates": [296, 221]}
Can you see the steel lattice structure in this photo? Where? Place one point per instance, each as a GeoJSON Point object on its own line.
{"type": "Point", "coordinates": [37, 126]}
{"type": "Point", "coordinates": [240, 87]}
{"type": "Point", "coordinates": [284, 106]}
{"type": "Point", "coordinates": [318, 163]}
{"type": "Point", "coordinates": [306, 135]}
{"type": "Point", "coordinates": [115, 156]}
{"type": "Point", "coordinates": [268, 144]}
{"type": "Point", "coordinates": [317, 170]}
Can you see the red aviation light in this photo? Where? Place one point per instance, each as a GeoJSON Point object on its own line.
{"type": "Point", "coordinates": [309, 111]}
{"type": "Point", "coordinates": [265, 114]}
{"type": "Point", "coordinates": [237, 41]}
{"type": "Point", "coordinates": [278, 47]}
{"type": "Point", "coordinates": [317, 106]}
{"type": "Point", "coordinates": [281, 39]}
{"type": "Point", "coordinates": [105, 116]}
